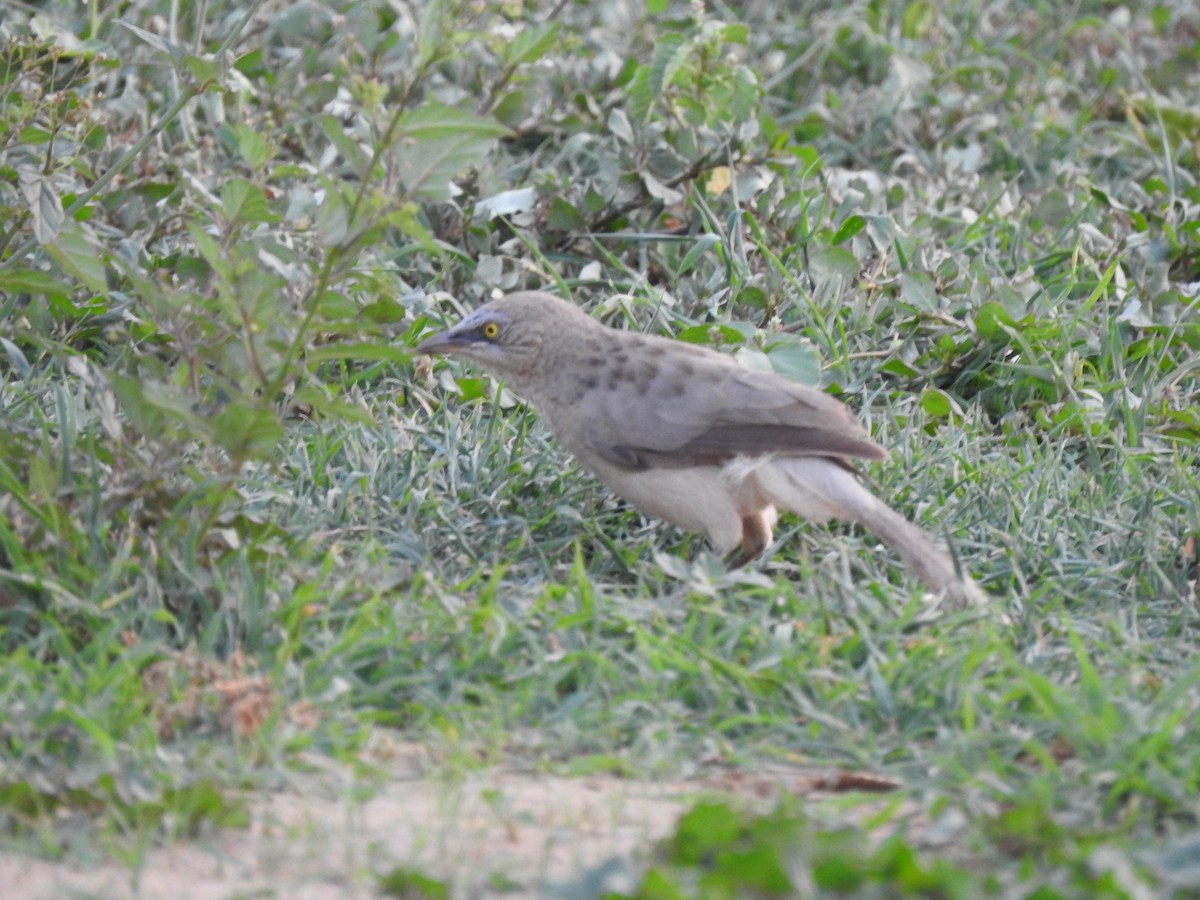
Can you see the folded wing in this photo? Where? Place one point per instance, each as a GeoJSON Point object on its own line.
{"type": "Point", "coordinates": [698, 407]}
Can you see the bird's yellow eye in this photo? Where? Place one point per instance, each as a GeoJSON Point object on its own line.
{"type": "Point", "coordinates": [490, 330]}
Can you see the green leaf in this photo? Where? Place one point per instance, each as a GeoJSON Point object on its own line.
{"type": "Point", "coordinates": [755, 871]}
{"type": "Point", "coordinates": [200, 803]}
{"type": "Point", "coordinates": [754, 295]}
{"type": "Point", "coordinates": [848, 229]}
{"type": "Point", "coordinates": [562, 216]}
{"type": "Point", "coordinates": [205, 70]}
{"type": "Point", "coordinates": [899, 368]}
{"type": "Point", "coordinates": [833, 262]}
{"type": "Point", "coordinates": [385, 311]}
{"type": "Point", "coordinates": [1155, 185]}
{"type": "Point", "coordinates": [33, 135]}
{"type": "Point", "coordinates": [16, 358]}
{"type": "Point", "coordinates": [105, 746]}
{"type": "Point", "coordinates": [431, 32]}
{"type": "Point", "coordinates": [670, 53]}
{"type": "Point", "coordinates": [209, 249]}
{"type": "Point", "coordinates": [408, 220]}
{"type": "Point", "coordinates": [329, 407]}
{"type": "Point", "coordinates": [95, 138]}
{"type": "Point", "coordinates": [530, 44]}
{"type": "Point", "coordinates": [436, 143]}
{"type": "Point", "coordinates": [808, 159]}
{"type": "Point", "coordinates": [347, 147]}
{"type": "Point", "coordinates": [252, 146]}
{"type": "Point", "coordinates": [839, 873]}
{"type": "Point", "coordinates": [153, 191]}
{"type": "Point", "coordinates": [936, 403]}
{"type": "Point", "coordinates": [251, 65]}
{"type": "Point", "coordinates": [165, 397]}
{"type": "Point", "coordinates": [162, 45]}
{"type": "Point", "coordinates": [413, 885]}
{"type": "Point", "coordinates": [707, 827]}
{"type": "Point", "coordinates": [709, 334]}
{"type": "Point", "coordinates": [333, 219]}
{"type": "Point", "coordinates": [797, 359]}
{"type": "Point", "coordinates": [658, 885]}
{"type": "Point", "coordinates": [434, 121]}
{"type": "Point", "coordinates": [244, 203]}
{"type": "Point", "coordinates": [918, 19]}
{"type": "Point", "coordinates": [994, 323]}
{"type": "Point", "coordinates": [472, 388]}
{"type": "Point", "coordinates": [641, 98]}
{"type": "Point", "coordinates": [744, 103]}
{"type": "Point", "coordinates": [247, 432]}
{"type": "Point", "coordinates": [512, 108]}
{"type": "Point", "coordinates": [332, 306]}
{"type": "Point", "coordinates": [43, 203]}
{"type": "Point", "coordinates": [735, 33]}
{"type": "Point", "coordinates": [130, 392]}
{"type": "Point", "coordinates": [363, 351]}
{"type": "Point", "coordinates": [918, 290]}
{"type": "Point", "coordinates": [32, 281]}
{"type": "Point", "coordinates": [81, 257]}
{"type": "Point", "coordinates": [703, 244]}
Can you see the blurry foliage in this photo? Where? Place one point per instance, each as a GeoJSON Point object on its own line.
{"type": "Point", "coordinates": [202, 297]}
{"type": "Point", "coordinates": [720, 851]}
{"type": "Point", "coordinates": [217, 298]}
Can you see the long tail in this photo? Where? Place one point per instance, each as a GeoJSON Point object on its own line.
{"type": "Point", "coordinates": [819, 489]}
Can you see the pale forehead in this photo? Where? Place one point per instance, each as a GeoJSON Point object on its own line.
{"type": "Point", "coordinates": [487, 312]}
{"type": "Point", "coordinates": [500, 310]}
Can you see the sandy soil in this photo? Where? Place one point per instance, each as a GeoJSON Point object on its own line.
{"type": "Point", "coordinates": [497, 833]}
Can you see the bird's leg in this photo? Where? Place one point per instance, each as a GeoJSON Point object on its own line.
{"type": "Point", "coordinates": [756, 536]}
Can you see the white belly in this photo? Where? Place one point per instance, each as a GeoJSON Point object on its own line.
{"type": "Point", "coordinates": [706, 499]}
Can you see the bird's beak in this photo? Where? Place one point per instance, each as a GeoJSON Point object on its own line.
{"type": "Point", "coordinates": [442, 342]}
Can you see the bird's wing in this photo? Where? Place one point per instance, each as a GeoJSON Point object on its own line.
{"type": "Point", "coordinates": [704, 409]}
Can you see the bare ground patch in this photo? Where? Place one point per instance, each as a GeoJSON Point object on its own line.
{"type": "Point", "coordinates": [494, 833]}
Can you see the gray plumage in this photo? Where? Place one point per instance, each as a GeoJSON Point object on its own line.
{"type": "Point", "coordinates": [686, 434]}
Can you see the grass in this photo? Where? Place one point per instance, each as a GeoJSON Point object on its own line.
{"type": "Point", "coordinates": [245, 535]}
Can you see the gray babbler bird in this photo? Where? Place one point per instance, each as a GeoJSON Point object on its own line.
{"type": "Point", "coordinates": [686, 434]}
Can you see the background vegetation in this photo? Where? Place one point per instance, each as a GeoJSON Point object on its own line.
{"type": "Point", "coordinates": [242, 527]}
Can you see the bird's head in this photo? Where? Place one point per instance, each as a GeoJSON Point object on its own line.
{"type": "Point", "coordinates": [508, 337]}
